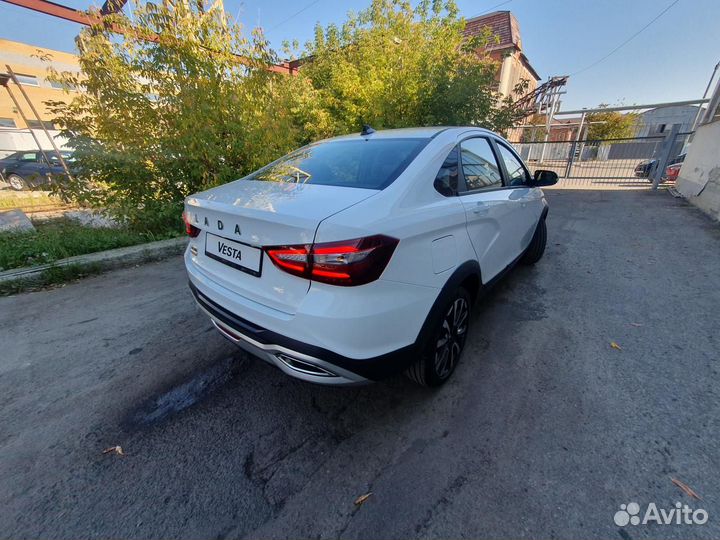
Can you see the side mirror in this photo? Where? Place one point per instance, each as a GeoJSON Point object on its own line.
{"type": "Point", "coordinates": [544, 178]}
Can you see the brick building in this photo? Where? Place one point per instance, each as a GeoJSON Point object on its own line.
{"type": "Point", "coordinates": [507, 51]}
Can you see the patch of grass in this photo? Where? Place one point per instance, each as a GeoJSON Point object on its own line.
{"type": "Point", "coordinates": [60, 238]}
{"type": "Point", "coordinates": [27, 200]}
{"type": "Point", "coordinates": [56, 275]}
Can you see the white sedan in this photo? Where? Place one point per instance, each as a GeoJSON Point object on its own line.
{"type": "Point", "coordinates": [359, 257]}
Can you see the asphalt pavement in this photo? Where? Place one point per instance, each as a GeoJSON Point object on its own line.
{"type": "Point", "coordinates": [543, 432]}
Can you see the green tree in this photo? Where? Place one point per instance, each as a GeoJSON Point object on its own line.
{"type": "Point", "coordinates": [611, 125]}
{"type": "Point", "coordinates": [181, 100]}
{"type": "Point", "coordinates": [394, 66]}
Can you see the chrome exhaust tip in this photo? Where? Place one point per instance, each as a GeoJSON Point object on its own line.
{"type": "Point", "coordinates": [303, 366]}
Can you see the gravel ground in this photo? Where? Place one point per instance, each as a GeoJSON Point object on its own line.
{"type": "Point", "coordinates": [544, 430]}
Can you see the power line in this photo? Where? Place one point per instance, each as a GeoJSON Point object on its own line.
{"type": "Point", "coordinates": [311, 4]}
{"type": "Point", "coordinates": [490, 9]}
{"type": "Point", "coordinates": [628, 40]}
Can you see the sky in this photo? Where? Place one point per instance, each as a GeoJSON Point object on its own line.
{"type": "Point", "coordinates": [671, 60]}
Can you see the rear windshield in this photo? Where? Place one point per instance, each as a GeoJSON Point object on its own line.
{"type": "Point", "coordinates": [364, 163]}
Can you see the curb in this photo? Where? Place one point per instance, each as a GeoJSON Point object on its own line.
{"type": "Point", "coordinates": [102, 260]}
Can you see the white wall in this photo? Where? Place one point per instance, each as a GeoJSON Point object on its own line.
{"type": "Point", "coordinates": [699, 179]}
{"type": "Point", "coordinates": [12, 140]}
{"type": "Point", "coordinates": [674, 114]}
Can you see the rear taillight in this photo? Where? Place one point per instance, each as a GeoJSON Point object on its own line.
{"type": "Point", "coordinates": [190, 229]}
{"type": "Point", "coordinates": [350, 262]}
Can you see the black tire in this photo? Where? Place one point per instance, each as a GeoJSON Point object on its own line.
{"type": "Point", "coordinates": [535, 250]}
{"type": "Point", "coordinates": [17, 182]}
{"type": "Point", "coordinates": [445, 345]}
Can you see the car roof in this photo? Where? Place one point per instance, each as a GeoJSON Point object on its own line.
{"type": "Point", "coordinates": [426, 132]}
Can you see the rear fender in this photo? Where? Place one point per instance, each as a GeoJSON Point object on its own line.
{"type": "Point", "coordinates": [469, 270]}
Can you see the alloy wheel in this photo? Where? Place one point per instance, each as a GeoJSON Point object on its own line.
{"type": "Point", "coordinates": [16, 182]}
{"type": "Point", "coordinates": [452, 338]}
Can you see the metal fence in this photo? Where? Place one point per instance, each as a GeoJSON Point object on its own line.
{"type": "Point", "coordinates": [602, 162]}
{"type": "Point", "coordinates": [635, 161]}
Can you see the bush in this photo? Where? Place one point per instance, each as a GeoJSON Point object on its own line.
{"type": "Point", "coordinates": [182, 101]}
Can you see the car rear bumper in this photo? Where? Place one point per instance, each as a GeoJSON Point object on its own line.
{"type": "Point", "coordinates": [298, 359]}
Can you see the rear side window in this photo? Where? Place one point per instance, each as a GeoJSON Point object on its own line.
{"type": "Point", "coordinates": [446, 181]}
{"type": "Point", "coordinates": [479, 166]}
{"type": "Point", "coordinates": [363, 163]}
{"type": "Point", "coordinates": [517, 175]}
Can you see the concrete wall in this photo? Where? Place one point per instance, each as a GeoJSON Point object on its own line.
{"type": "Point", "coordinates": [12, 140]}
{"type": "Point", "coordinates": [699, 179]}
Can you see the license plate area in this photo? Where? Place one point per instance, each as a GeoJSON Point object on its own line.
{"type": "Point", "coordinates": [238, 255]}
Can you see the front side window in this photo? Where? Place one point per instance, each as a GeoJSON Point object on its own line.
{"type": "Point", "coordinates": [479, 165]}
{"type": "Point", "coordinates": [517, 175]}
{"type": "Point", "coordinates": [363, 163]}
{"type": "Point", "coordinates": [28, 156]}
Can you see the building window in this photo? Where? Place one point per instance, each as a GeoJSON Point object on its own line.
{"type": "Point", "coordinates": [661, 128]}
{"type": "Point", "coordinates": [27, 80]}
{"type": "Point", "coordinates": [62, 86]}
{"type": "Point", "coordinates": [34, 124]}
{"type": "Point", "coordinates": [7, 122]}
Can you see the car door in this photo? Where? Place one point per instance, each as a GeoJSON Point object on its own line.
{"type": "Point", "coordinates": [55, 168]}
{"type": "Point", "coordinates": [488, 208]}
{"type": "Point", "coordinates": [526, 202]}
{"type": "Point", "coordinates": [30, 166]}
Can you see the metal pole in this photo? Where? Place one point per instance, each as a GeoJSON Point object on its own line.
{"type": "Point", "coordinates": [713, 104]}
{"type": "Point", "coordinates": [707, 89]}
{"type": "Point", "coordinates": [667, 147]}
{"type": "Point", "coordinates": [22, 115]}
{"type": "Point", "coordinates": [42, 125]}
{"type": "Point", "coordinates": [574, 146]}
{"type": "Point", "coordinates": [634, 107]}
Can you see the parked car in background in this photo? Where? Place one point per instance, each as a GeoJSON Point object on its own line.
{"type": "Point", "coordinates": [673, 169]}
{"type": "Point", "coordinates": [359, 257]}
{"type": "Point", "coordinates": [645, 168]}
{"type": "Point", "coordinates": [28, 168]}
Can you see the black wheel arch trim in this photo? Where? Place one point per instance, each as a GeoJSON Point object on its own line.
{"type": "Point", "coordinates": [461, 273]}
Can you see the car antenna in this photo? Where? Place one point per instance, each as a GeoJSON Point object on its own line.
{"type": "Point", "coordinates": [367, 130]}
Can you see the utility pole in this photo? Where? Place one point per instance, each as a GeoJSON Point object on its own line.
{"type": "Point", "coordinates": [551, 105]}
{"type": "Point", "coordinates": [42, 124]}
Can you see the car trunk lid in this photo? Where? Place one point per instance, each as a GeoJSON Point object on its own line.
{"type": "Point", "coordinates": [239, 219]}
